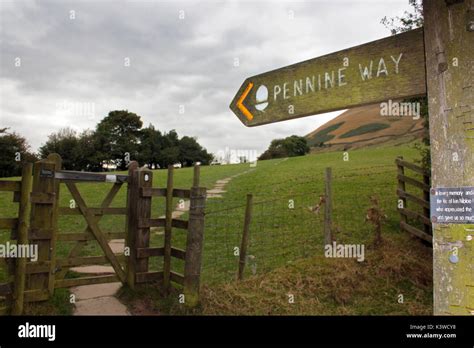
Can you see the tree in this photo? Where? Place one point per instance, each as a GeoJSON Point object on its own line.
{"type": "Point", "coordinates": [288, 147]}
{"type": "Point", "coordinates": [169, 155]}
{"type": "Point", "coordinates": [65, 143]}
{"type": "Point", "coordinates": [14, 152]}
{"type": "Point", "coordinates": [191, 152]}
{"type": "Point", "coordinates": [118, 137]}
{"type": "Point", "coordinates": [86, 153]}
{"type": "Point", "coordinates": [409, 21]}
{"type": "Point", "coordinates": [151, 146]}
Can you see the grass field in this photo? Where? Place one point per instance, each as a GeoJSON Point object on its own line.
{"type": "Point", "coordinates": [280, 234]}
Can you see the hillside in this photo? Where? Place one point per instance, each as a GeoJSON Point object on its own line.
{"type": "Point", "coordinates": [362, 127]}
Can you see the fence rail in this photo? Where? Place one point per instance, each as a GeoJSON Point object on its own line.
{"type": "Point", "coordinates": [410, 217]}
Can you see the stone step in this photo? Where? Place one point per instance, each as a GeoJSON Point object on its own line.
{"type": "Point", "coordinates": [107, 305]}
{"type": "Point", "coordinates": [87, 292]}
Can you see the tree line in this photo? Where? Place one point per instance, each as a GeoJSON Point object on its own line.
{"type": "Point", "coordinates": [116, 140]}
{"type": "Point", "coordinates": [288, 147]}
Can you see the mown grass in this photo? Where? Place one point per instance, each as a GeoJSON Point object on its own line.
{"type": "Point", "coordinates": [279, 234]}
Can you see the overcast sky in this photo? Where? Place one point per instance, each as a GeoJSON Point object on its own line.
{"type": "Point", "coordinates": [68, 69]}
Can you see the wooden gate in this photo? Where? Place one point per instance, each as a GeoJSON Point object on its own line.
{"type": "Point", "coordinates": [36, 281]}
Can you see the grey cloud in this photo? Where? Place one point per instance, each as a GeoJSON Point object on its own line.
{"type": "Point", "coordinates": [173, 61]}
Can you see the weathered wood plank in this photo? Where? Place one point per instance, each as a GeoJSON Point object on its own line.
{"type": "Point", "coordinates": [177, 277]}
{"type": "Point", "coordinates": [152, 192]}
{"type": "Point", "coordinates": [194, 245]}
{"type": "Point", "coordinates": [87, 260]}
{"type": "Point", "coordinates": [142, 237]}
{"type": "Point", "coordinates": [132, 220]}
{"type": "Point", "coordinates": [148, 277]}
{"type": "Point", "coordinates": [8, 223]}
{"type": "Point", "coordinates": [168, 229]}
{"type": "Point", "coordinates": [9, 186]}
{"type": "Point", "coordinates": [73, 176]}
{"type": "Point", "coordinates": [37, 267]}
{"type": "Point", "coordinates": [413, 198]}
{"type": "Point", "coordinates": [40, 233]}
{"type": "Point", "coordinates": [401, 185]}
{"type": "Point", "coordinates": [415, 231]}
{"type": "Point", "coordinates": [43, 197]}
{"type": "Point", "coordinates": [411, 166]}
{"type": "Point", "coordinates": [328, 206]}
{"type": "Point", "coordinates": [178, 253]}
{"type": "Point", "coordinates": [42, 217]}
{"type": "Point", "coordinates": [181, 193]}
{"type": "Point", "coordinates": [196, 175]}
{"type": "Point", "coordinates": [94, 211]}
{"type": "Point", "coordinates": [413, 182]}
{"type": "Point", "coordinates": [67, 283]}
{"type": "Point", "coordinates": [36, 295]}
{"type": "Point", "coordinates": [147, 252]}
{"type": "Point", "coordinates": [390, 68]}
{"type": "Point", "coordinates": [22, 232]}
{"type": "Point", "coordinates": [147, 222]}
{"type": "Point", "coordinates": [79, 236]}
{"type": "Point", "coordinates": [6, 288]}
{"type": "Point", "coordinates": [414, 215]}
{"type": "Point", "coordinates": [181, 224]}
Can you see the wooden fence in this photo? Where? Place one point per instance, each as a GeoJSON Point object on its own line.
{"type": "Point", "coordinates": [409, 215]}
{"type": "Point", "coordinates": [36, 281]}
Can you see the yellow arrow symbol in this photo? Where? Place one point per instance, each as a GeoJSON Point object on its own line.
{"type": "Point", "coordinates": [241, 106]}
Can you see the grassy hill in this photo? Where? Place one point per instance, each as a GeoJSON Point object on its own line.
{"type": "Point", "coordinates": [362, 127]}
{"type": "Point", "coordinates": [288, 250]}
{"type": "Point", "coordinates": [285, 243]}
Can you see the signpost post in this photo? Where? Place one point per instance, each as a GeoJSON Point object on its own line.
{"type": "Point", "coordinates": [437, 60]}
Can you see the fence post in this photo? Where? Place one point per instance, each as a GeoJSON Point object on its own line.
{"type": "Point", "coordinates": [245, 236]}
{"type": "Point", "coordinates": [194, 244]}
{"type": "Point", "coordinates": [401, 186]}
{"type": "Point", "coordinates": [426, 197]}
{"type": "Point", "coordinates": [168, 230]}
{"type": "Point", "coordinates": [328, 207]}
{"type": "Point", "coordinates": [196, 175]}
{"type": "Point", "coordinates": [132, 223]}
{"type": "Point", "coordinates": [43, 222]}
{"type": "Point", "coordinates": [143, 204]}
{"type": "Point", "coordinates": [23, 223]}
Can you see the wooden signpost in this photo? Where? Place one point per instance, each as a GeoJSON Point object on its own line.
{"type": "Point", "coordinates": [437, 61]}
{"type": "Point", "coordinates": [390, 68]}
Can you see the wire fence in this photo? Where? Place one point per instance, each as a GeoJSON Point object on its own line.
{"type": "Point", "coordinates": [286, 223]}
{"type": "Point", "coordinates": [281, 230]}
